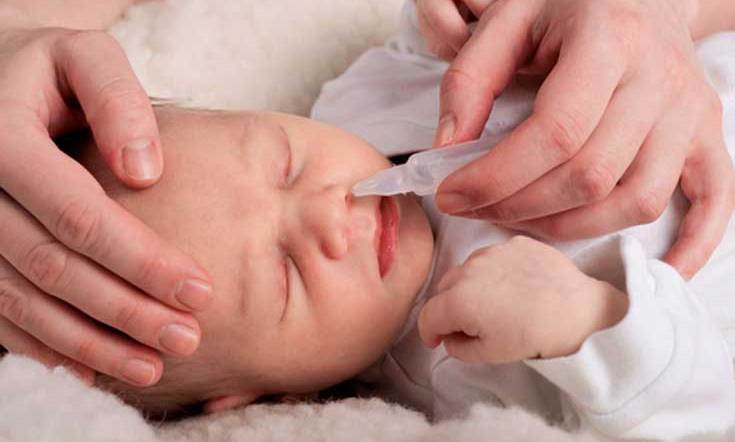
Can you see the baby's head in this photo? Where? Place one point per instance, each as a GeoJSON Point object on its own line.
{"type": "Point", "coordinates": [311, 284]}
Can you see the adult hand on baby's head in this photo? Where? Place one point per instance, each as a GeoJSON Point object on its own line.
{"type": "Point", "coordinates": [506, 302]}
{"type": "Point", "coordinates": [71, 260]}
{"type": "Point", "coordinates": [624, 114]}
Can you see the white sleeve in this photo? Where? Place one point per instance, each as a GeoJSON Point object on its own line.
{"type": "Point", "coordinates": [664, 372]}
{"type": "Point", "coordinates": [390, 95]}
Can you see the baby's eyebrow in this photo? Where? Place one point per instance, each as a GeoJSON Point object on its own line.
{"type": "Point", "coordinates": [256, 139]}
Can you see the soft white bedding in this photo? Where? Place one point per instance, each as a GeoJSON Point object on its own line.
{"type": "Point", "coordinates": [42, 405]}
{"type": "Point", "coordinates": [246, 54]}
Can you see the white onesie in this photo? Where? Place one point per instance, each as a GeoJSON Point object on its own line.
{"type": "Point", "coordinates": [664, 372]}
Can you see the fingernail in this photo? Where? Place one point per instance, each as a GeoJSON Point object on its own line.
{"type": "Point", "coordinates": [179, 339]}
{"type": "Point", "coordinates": [139, 160]}
{"type": "Point", "coordinates": [139, 372]}
{"type": "Point", "coordinates": [194, 293]}
{"type": "Point", "coordinates": [445, 133]}
{"type": "Point", "coordinates": [453, 202]}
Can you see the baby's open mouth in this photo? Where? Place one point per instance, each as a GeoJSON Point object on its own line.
{"type": "Point", "coordinates": [386, 233]}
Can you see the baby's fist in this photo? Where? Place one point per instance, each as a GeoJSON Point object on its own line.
{"type": "Point", "coordinates": [518, 300]}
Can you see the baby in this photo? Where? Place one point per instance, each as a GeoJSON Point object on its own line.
{"type": "Point", "coordinates": [314, 286]}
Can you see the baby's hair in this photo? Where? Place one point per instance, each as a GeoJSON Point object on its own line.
{"type": "Point", "coordinates": [180, 392]}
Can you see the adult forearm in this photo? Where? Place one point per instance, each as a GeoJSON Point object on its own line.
{"type": "Point", "coordinates": [713, 16]}
{"type": "Point", "coordinates": [76, 14]}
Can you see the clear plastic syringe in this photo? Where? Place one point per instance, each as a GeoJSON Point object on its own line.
{"type": "Point", "coordinates": [424, 171]}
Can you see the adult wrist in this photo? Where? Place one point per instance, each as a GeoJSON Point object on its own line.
{"type": "Point", "coordinates": [12, 17]}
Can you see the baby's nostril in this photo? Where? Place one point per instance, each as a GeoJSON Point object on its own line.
{"type": "Point", "coordinates": [349, 199]}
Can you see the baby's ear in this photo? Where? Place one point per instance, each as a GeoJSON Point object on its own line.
{"type": "Point", "coordinates": [224, 403]}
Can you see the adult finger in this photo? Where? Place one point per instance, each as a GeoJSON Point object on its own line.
{"type": "Point", "coordinates": [74, 209]}
{"type": "Point", "coordinates": [594, 172]}
{"type": "Point", "coordinates": [640, 197]}
{"type": "Point", "coordinates": [564, 117]}
{"type": "Point", "coordinates": [64, 329]}
{"type": "Point", "coordinates": [94, 70]}
{"type": "Point", "coordinates": [477, 7]}
{"type": "Point", "coordinates": [482, 69]}
{"type": "Point", "coordinates": [19, 342]}
{"type": "Point", "coordinates": [707, 181]}
{"type": "Point", "coordinates": [441, 22]}
{"type": "Point", "coordinates": [73, 278]}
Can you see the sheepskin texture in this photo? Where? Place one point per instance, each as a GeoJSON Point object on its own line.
{"type": "Point", "coordinates": [242, 54]}
{"type": "Point", "coordinates": [250, 54]}
{"type": "Point", "coordinates": [43, 405]}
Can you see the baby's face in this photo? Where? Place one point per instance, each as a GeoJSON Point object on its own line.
{"type": "Point", "coordinates": [311, 284]}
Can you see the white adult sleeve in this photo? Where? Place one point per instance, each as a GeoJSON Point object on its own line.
{"type": "Point", "coordinates": [664, 372]}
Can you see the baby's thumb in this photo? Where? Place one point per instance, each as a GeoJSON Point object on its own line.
{"type": "Point", "coordinates": [464, 347]}
{"type": "Point", "coordinates": [435, 322]}
{"type": "Point", "coordinates": [115, 105]}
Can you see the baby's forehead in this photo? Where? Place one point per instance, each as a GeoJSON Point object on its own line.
{"type": "Point", "coordinates": [245, 136]}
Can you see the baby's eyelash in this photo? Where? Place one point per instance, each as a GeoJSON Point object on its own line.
{"type": "Point", "coordinates": [292, 274]}
{"type": "Point", "coordinates": [286, 143]}
{"type": "Point", "coordinates": [287, 166]}
{"type": "Point", "coordinates": [284, 275]}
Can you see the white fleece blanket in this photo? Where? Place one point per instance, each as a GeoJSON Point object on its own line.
{"type": "Point", "coordinates": [42, 405]}
{"type": "Point", "coordinates": [242, 54]}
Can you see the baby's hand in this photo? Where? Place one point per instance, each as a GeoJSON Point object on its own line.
{"type": "Point", "coordinates": [518, 300]}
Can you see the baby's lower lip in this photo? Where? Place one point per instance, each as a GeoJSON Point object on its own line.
{"type": "Point", "coordinates": [386, 234]}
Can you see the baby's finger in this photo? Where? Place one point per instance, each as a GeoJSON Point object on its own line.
{"type": "Point", "coordinates": [708, 182]}
{"type": "Point", "coordinates": [465, 348]}
{"type": "Point", "coordinates": [73, 278]}
{"type": "Point", "coordinates": [442, 315]}
{"type": "Point", "coordinates": [63, 329]}
{"type": "Point", "coordinates": [94, 69]}
{"type": "Point", "coordinates": [19, 342]}
{"type": "Point", "coordinates": [449, 279]}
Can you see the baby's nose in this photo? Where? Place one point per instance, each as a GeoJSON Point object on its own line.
{"type": "Point", "coordinates": [329, 215]}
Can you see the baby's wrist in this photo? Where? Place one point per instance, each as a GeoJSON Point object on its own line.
{"type": "Point", "coordinates": [611, 308]}
{"type": "Point", "coordinates": [599, 306]}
